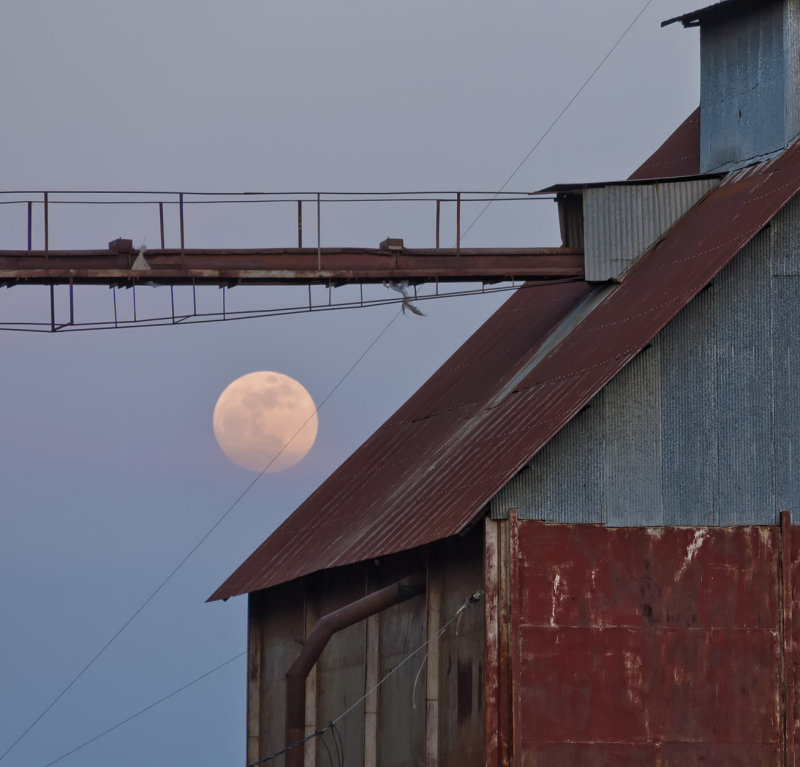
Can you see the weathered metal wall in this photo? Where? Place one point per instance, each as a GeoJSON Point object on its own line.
{"type": "Point", "coordinates": [668, 646]}
{"type": "Point", "coordinates": [400, 703]}
{"type": "Point", "coordinates": [621, 221]}
{"type": "Point", "coordinates": [418, 713]}
{"type": "Point", "coordinates": [275, 624]}
{"type": "Point", "coordinates": [461, 655]}
{"type": "Point", "coordinates": [749, 84]}
{"type": "Point", "coordinates": [341, 668]}
{"type": "Point", "coordinates": [703, 427]}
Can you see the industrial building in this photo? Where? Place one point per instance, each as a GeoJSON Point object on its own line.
{"type": "Point", "coordinates": [583, 517]}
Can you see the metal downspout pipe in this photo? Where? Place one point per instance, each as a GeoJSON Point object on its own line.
{"type": "Point", "coordinates": [315, 643]}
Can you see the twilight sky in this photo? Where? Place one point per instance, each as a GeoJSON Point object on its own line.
{"type": "Point", "coordinates": [110, 471]}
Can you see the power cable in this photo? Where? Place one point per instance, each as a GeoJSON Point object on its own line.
{"type": "Point", "coordinates": [337, 736]}
{"type": "Point", "coordinates": [471, 600]}
{"type": "Point", "coordinates": [558, 117]}
{"type": "Point", "coordinates": [327, 748]}
{"type": "Point", "coordinates": [202, 540]}
{"type": "Point", "coordinates": [146, 708]}
{"type": "Point", "coordinates": [380, 335]}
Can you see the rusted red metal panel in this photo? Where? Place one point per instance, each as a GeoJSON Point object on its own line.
{"type": "Point", "coordinates": [431, 468]}
{"type": "Point", "coordinates": [661, 644]}
{"type": "Point", "coordinates": [660, 579]}
{"type": "Point", "coordinates": [519, 724]}
{"type": "Point", "coordinates": [788, 644]}
{"type": "Point", "coordinates": [650, 755]}
{"type": "Point", "coordinates": [793, 644]}
{"type": "Point", "coordinates": [491, 601]}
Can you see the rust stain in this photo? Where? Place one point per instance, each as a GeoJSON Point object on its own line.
{"type": "Point", "coordinates": [652, 668]}
{"type": "Point", "coordinates": [464, 690]}
{"type": "Point", "coordinates": [691, 551]}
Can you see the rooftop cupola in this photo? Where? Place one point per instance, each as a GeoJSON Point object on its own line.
{"type": "Point", "coordinates": [750, 79]}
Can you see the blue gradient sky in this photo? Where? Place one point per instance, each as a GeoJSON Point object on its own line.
{"type": "Point", "coordinates": [110, 473]}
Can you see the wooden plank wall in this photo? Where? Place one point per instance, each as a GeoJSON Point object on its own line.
{"type": "Point", "coordinates": [428, 712]}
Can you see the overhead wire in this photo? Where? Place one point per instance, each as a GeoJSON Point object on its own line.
{"type": "Point", "coordinates": [471, 600]}
{"type": "Point", "coordinates": [202, 540]}
{"type": "Point", "coordinates": [327, 748]}
{"type": "Point", "coordinates": [146, 709]}
{"type": "Point", "coordinates": [172, 573]}
{"type": "Point", "coordinates": [338, 737]}
{"type": "Point", "coordinates": [558, 117]}
{"type": "Point", "coordinates": [365, 197]}
{"type": "Point", "coordinates": [291, 196]}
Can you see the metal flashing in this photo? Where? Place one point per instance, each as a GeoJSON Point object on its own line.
{"type": "Point", "coordinates": [578, 188]}
{"type": "Point", "coordinates": [716, 12]}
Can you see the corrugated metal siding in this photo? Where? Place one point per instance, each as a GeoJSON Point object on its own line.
{"type": "Point", "coordinates": [688, 408]}
{"type": "Point", "coordinates": [791, 42]}
{"type": "Point", "coordinates": [744, 390]}
{"type": "Point", "coordinates": [703, 428]}
{"type": "Point", "coordinates": [786, 378]}
{"type": "Point", "coordinates": [566, 480]}
{"type": "Point", "coordinates": [431, 469]}
{"type": "Point", "coordinates": [633, 445]}
{"type": "Point", "coordinates": [622, 222]}
{"type": "Point", "coordinates": [747, 66]}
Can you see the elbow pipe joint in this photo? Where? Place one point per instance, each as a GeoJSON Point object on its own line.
{"type": "Point", "coordinates": [325, 627]}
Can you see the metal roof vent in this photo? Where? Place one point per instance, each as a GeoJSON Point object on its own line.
{"type": "Point", "coordinates": [750, 79]}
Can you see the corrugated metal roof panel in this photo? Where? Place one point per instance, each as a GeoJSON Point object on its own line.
{"type": "Point", "coordinates": [427, 472]}
{"type": "Point", "coordinates": [679, 155]}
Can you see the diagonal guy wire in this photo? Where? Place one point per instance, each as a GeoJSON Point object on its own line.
{"type": "Point", "coordinates": [558, 117]}
{"type": "Point", "coordinates": [202, 540]}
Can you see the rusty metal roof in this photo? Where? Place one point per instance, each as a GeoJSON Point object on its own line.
{"type": "Point", "coordinates": [679, 155]}
{"type": "Point", "coordinates": [433, 466]}
{"type": "Point", "coordinates": [716, 12]}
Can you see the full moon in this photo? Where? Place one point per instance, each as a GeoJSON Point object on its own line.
{"type": "Point", "coordinates": [265, 421]}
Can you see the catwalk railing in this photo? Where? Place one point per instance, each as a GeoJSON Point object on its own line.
{"type": "Point", "coordinates": [178, 221]}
